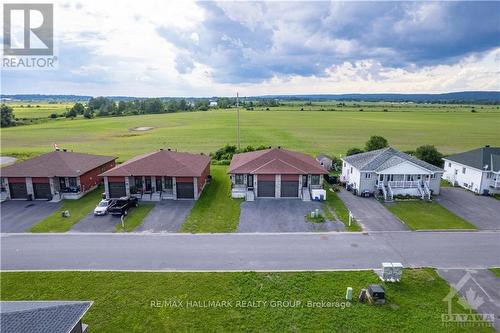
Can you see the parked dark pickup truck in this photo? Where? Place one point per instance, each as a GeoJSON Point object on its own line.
{"type": "Point", "coordinates": [122, 205]}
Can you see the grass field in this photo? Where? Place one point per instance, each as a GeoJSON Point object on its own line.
{"type": "Point", "coordinates": [421, 215]}
{"type": "Point", "coordinates": [309, 131]}
{"type": "Point", "coordinates": [78, 209]}
{"type": "Point", "coordinates": [135, 217]}
{"type": "Point", "coordinates": [214, 211]}
{"type": "Point", "coordinates": [123, 301]}
{"type": "Point", "coordinates": [38, 110]}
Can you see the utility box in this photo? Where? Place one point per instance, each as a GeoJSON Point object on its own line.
{"type": "Point", "coordinates": [397, 270]}
{"type": "Point", "coordinates": [387, 271]}
{"type": "Point", "coordinates": [377, 294]}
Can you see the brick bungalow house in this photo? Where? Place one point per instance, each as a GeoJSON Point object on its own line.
{"type": "Point", "coordinates": [56, 175]}
{"type": "Point", "coordinates": [275, 173]}
{"type": "Point", "coordinates": [163, 174]}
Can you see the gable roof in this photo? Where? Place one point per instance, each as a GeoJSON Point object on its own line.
{"type": "Point", "coordinates": [162, 163]}
{"type": "Point", "coordinates": [41, 316]}
{"type": "Point", "coordinates": [56, 164]}
{"type": "Point", "coordinates": [275, 161]}
{"type": "Point", "coordinates": [384, 158]}
{"type": "Point", "coordinates": [484, 158]}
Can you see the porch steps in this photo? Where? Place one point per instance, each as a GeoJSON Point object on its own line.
{"type": "Point", "coordinates": [250, 196]}
{"type": "Point", "coordinates": [306, 195]}
{"type": "Point", "coordinates": [156, 196]}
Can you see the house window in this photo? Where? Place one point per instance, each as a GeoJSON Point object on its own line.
{"type": "Point", "coordinates": [488, 175]}
{"type": "Point", "coordinates": [433, 176]}
{"type": "Point", "coordinates": [72, 181]}
{"type": "Point", "coordinates": [463, 170]}
{"type": "Point", "coordinates": [314, 179]}
{"type": "Point", "coordinates": [351, 169]}
{"type": "Point", "coordinates": [449, 164]}
{"type": "Point", "coordinates": [368, 175]}
{"type": "Point", "coordinates": [345, 164]}
{"type": "Point", "coordinates": [239, 179]}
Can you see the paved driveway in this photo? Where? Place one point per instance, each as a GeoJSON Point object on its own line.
{"type": "Point", "coordinates": [286, 215]}
{"type": "Point", "coordinates": [20, 215]}
{"type": "Point", "coordinates": [370, 213]}
{"type": "Point", "coordinates": [167, 216]}
{"type": "Point", "coordinates": [483, 284]}
{"type": "Point", "coordinates": [92, 223]}
{"type": "Point", "coordinates": [483, 212]}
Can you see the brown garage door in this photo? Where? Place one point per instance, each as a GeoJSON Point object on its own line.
{"type": "Point", "coordinates": [42, 191]}
{"type": "Point", "coordinates": [18, 191]}
{"type": "Point", "coordinates": [185, 190]}
{"type": "Point", "coordinates": [116, 190]}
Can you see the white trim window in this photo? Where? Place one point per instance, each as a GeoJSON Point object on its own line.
{"type": "Point", "coordinates": [463, 170]}
{"type": "Point", "coordinates": [239, 179]}
{"type": "Point", "coordinates": [368, 175]}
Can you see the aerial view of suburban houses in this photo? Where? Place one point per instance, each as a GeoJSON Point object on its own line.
{"type": "Point", "coordinates": [164, 174]}
{"type": "Point", "coordinates": [250, 166]}
{"type": "Point", "coordinates": [54, 176]}
{"type": "Point", "coordinates": [391, 171]}
{"type": "Point", "coordinates": [275, 173]}
{"type": "Point", "coordinates": [477, 170]}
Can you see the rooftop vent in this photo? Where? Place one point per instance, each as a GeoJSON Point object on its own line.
{"type": "Point", "coordinates": [161, 149]}
{"type": "Point", "coordinates": [487, 146]}
{"type": "Point", "coordinates": [169, 149]}
{"type": "Point", "coordinates": [279, 147]}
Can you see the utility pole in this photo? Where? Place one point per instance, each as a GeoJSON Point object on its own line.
{"type": "Point", "coordinates": [238, 120]}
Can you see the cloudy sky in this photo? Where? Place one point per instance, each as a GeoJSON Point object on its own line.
{"type": "Point", "coordinates": [182, 48]}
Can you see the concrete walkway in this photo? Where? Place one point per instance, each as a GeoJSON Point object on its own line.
{"type": "Point", "coordinates": [480, 288]}
{"type": "Point", "coordinates": [371, 214]}
{"type": "Point", "coordinates": [241, 252]}
{"type": "Point", "coordinates": [482, 211]}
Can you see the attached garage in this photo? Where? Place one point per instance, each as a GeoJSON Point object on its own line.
{"type": "Point", "coordinates": [185, 190]}
{"type": "Point", "coordinates": [117, 189]}
{"type": "Point", "coordinates": [18, 190]}
{"type": "Point", "coordinates": [289, 186]}
{"type": "Point", "coordinates": [266, 186]}
{"type": "Point", "coordinates": [42, 191]}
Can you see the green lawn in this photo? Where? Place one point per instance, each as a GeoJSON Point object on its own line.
{"type": "Point", "coordinates": [420, 215]}
{"type": "Point", "coordinates": [125, 301]}
{"type": "Point", "coordinates": [78, 209]}
{"type": "Point", "coordinates": [214, 211]}
{"type": "Point", "coordinates": [311, 132]}
{"type": "Point", "coordinates": [334, 203]}
{"type": "Point", "coordinates": [496, 271]}
{"type": "Point", "coordinates": [135, 217]}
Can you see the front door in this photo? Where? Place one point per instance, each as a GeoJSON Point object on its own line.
{"type": "Point", "coordinates": [168, 183]}
{"type": "Point", "coordinates": [304, 180]}
{"type": "Point", "coordinates": [158, 184]}
{"type": "Point", "coordinates": [250, 181]}
{"type": "Point", "coordinates": [148, 184]}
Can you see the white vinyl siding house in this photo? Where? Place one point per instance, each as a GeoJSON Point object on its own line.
{"type": "Point", "coordinates": [476, 170]}
{"type": "Point", "coordinates": [390, 172]}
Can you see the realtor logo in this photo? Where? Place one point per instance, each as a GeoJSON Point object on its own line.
{"type": "Point", "coordinates": [28, 29]}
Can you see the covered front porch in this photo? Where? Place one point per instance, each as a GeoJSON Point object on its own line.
{"type": "Point", "coordinates": [417, 185]}
{"type": "Point", "coordinates": [152, 188]}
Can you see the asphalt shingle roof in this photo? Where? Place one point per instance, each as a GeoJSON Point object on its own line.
{"type": "Point", "coordinates": [377, 160]}
{"type": "Point", "coordinates": [485, 158]}
{"type": "Point", "coordinates": [56, 164]}
{"type": "Point", "coordinates": [275, 161]}
{"type": "Point", "coordinates": [41, 316]}
{"type": "Point", "coordinates": [162, 163]}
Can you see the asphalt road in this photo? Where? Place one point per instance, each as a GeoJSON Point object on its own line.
{"type": "Point", "coordinates": [221, 252]}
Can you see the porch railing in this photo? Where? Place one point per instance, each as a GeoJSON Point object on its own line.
{"type": "Point", "coordinates": [400, 183]}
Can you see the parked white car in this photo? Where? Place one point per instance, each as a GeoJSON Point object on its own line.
{"type": "Point", "coordinates": [102, 207]}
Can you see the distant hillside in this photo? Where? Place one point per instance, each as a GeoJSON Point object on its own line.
{"type": "Point", "coordinates": [454, 97]}
{"type": "Point", "coordinates": [487, 97]}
